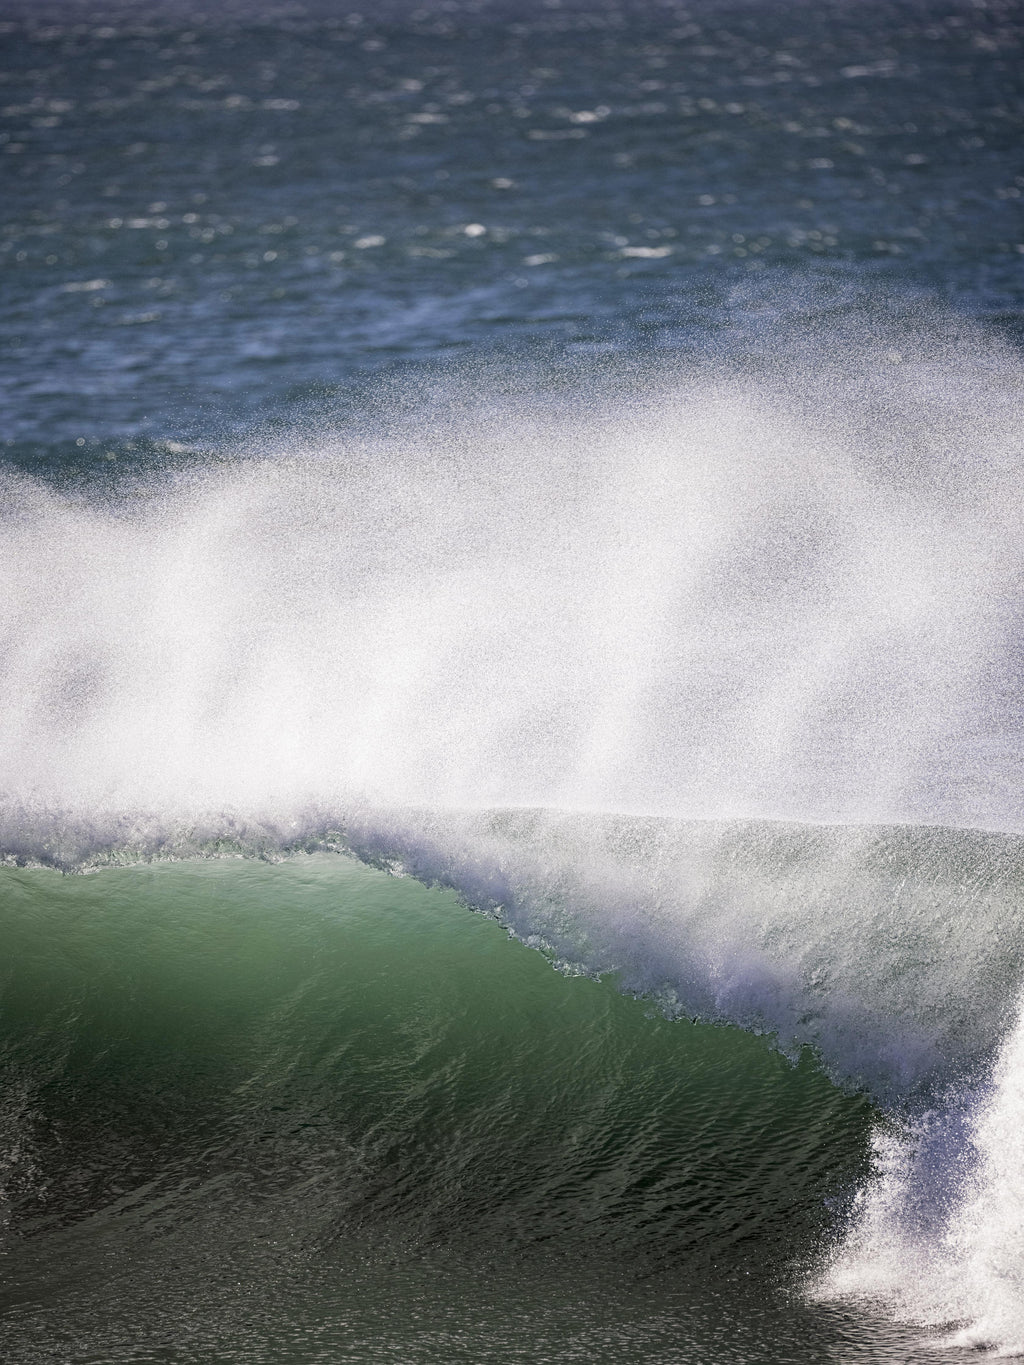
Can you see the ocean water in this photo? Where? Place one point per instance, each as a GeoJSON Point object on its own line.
{"type": "Point", "coordinates": [510, 655]}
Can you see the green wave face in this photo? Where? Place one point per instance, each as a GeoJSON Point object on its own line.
{"type": "Point", "coordinates": [263, 1111]}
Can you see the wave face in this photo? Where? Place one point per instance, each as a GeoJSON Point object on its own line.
{"type": "Point", "coordinates": [768, 618]}
{"type": "Point", "coordinates": [297, 1075]}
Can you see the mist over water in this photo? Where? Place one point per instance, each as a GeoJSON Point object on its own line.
{"type": "Point", "coordinates": [786, 593]}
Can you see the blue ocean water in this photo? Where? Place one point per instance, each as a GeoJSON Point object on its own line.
{"type": "Point", "coordinates": [278, 201]}
{"type": "Point", "coordinates": [557, 461]}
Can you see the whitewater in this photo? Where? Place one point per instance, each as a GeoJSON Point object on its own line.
{"type": "Point", "coordinates": [700, 681]}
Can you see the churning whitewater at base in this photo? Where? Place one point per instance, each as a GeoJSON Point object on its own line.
{"type": "Point", "coordinates": [704, 687]}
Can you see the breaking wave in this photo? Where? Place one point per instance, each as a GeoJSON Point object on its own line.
{"type": "Point", "coordinates": [769, 621]}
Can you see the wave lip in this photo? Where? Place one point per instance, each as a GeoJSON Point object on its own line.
{"type": "Point", "coordinates": [72, 840]}
{"type": "Point", "coordinates": [834, 937]}
{"type": "Point", "coordinates": [830, 936]}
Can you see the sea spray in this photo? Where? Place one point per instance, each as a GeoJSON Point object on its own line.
{"type": "Point", "coordinates": [937, 1234]}
{"type": "Point", "coordinates": [987, 1234]}
{"type": "Point", "coordinates": [787, 593]}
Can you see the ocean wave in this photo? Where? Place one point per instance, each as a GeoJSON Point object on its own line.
{"type": "Point", "coordinates": [894, 953]}
{"type": "Point", "coordinates": [833, 937]}
{"type": "Point", "coordinates": [771, 618]}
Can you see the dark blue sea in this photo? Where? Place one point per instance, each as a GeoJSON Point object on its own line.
{"type": "Point", "coordinates": [511, 637]}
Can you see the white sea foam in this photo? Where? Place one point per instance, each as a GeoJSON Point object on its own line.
{"type": "Point", "coordinates": [939, 1234]}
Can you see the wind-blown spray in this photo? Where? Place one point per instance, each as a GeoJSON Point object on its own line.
{"type": "Point", "coordinates": [763, 596]}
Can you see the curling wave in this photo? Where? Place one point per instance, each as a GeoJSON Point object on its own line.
{"type": "Point", "coordinates": [833, 938]}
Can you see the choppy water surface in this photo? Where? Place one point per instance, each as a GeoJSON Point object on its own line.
{"type": "Point", "coordinates": [554, 461]}
{"type": "Point", "coordinates": [210, 216]}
